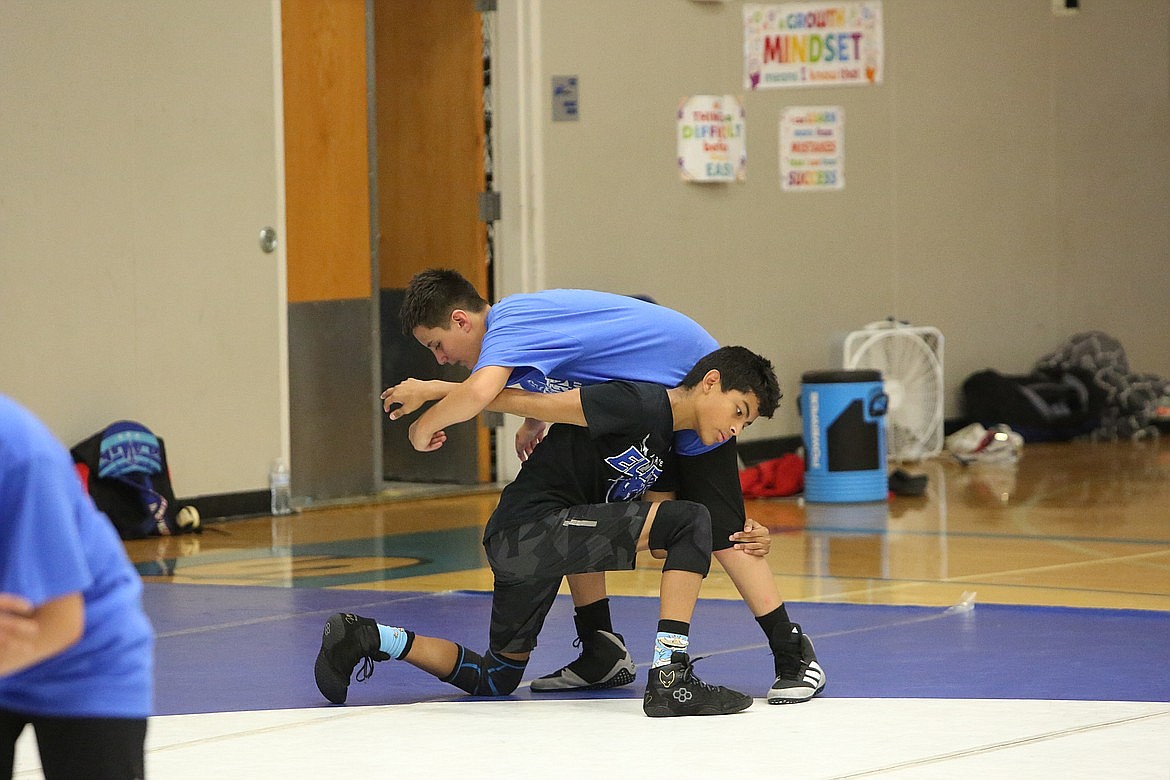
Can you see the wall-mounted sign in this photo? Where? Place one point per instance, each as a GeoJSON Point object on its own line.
{"type": "Point", "coordinates": [711, 143]}
{"type": "Point", "coordinates": [812, 148]}
{"type": "Point", "coordinates": [564, 99]}
{"type": "Point", "coordinates": [812, 44]}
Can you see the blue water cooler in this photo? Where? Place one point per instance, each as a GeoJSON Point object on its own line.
{"type": "Point", "coordinates": [844, 418]}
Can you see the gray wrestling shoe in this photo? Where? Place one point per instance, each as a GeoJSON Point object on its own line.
{"type": "Point", "coordinates": [604, 663]}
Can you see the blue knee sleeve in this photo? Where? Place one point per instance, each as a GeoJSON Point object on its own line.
{"type": "Point", "coordinates": [491, 676]}
{"type": "Point", "coordinates": [683, 529]}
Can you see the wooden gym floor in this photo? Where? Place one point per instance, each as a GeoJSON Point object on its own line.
{"type": "Point", "coordinates": [1078, 525]}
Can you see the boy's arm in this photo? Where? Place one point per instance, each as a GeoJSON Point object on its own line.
{"type": "Point", "coordinates": [59, 624]}
{"type": "Point", "coordinates": [470, 397]}
{"type": "Point", "coordinates": [550, 407]}
{"type": "Point", "coordinates": [410, 394]}
{"type": "Point", "coordinates": [464, 401]}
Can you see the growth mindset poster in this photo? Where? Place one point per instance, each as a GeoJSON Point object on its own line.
{"type": "Point", "coordinates": [812, 44]}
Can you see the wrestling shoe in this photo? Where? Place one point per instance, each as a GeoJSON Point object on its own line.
{"type": "Point", "coordinates": [346, 640]}
{"type": "Point", "coordinates": [604, 663]}
{"type": "Point", "coordinates": [799, 677]}
{"type": "Point", "coordinates": [675, 690]}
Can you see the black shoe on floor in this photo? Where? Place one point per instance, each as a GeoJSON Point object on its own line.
{"type": "Point", "coordinates": [903, 483]}
{"type": "Point", "coordinates": [346, 640]}
{"type": "Point", "coordinates": [675, 690]}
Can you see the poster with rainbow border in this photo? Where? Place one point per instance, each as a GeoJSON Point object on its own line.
{"type": "Point", "coordinates": [816, 44]}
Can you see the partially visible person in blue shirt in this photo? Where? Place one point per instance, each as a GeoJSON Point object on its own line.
{"type": "Point", "coordinates": [77, 649]}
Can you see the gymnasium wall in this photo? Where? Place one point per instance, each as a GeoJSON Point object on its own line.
{"type": "Point", "coordinates": [1008, 182]}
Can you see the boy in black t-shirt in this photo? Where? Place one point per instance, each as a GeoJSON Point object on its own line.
{"type": "Point", "coordinates": [582, 503]}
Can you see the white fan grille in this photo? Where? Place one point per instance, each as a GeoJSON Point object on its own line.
{"type": "Point", "coordinates": [910, 360]}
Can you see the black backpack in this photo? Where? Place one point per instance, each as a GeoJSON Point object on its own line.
{"type": "Point", "coordinates": [124, 468]}
{"type": "Point", "coordinates": [1040, 407]}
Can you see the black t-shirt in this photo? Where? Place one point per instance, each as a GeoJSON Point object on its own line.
{"type": "Point", "coordinates": [624, 451]}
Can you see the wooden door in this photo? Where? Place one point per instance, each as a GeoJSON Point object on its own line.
{"type": "Point", "coordinates": [430, 171]}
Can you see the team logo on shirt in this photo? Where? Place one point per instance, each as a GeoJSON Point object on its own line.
{"type": "Point", "coordinates": [639, 469]}
{"type": "Point", "coordinates": [536, 382]}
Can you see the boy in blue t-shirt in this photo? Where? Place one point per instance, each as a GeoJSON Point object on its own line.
{"type": "Point", "coordinates": [79, 664]}
{"type": "Point", "coordinates": [555, 340]}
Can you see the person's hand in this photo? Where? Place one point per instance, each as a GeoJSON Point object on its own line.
{"type": "Point", "coordinates": [754, 539]}
{"type": "Point", "coordinates": [530, 434]}
{"type": "Point", "coordinates": [18, 629]}
{"type": "Point", "coordinates": [410, 394]}
{"type": "Point", "coordinates": [424, 442]}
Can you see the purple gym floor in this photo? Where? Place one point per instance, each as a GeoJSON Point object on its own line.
{"type": "Point", "coordinates": [224, 648]}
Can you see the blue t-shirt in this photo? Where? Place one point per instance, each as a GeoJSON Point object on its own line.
{"type": "Point", "coordinates": [560, 339]}
{"type": "Point", "coordinates": [54, 541]}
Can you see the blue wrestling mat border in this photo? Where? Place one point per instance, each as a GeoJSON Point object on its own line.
{"type": "Point", "coordinates": [233, 648]}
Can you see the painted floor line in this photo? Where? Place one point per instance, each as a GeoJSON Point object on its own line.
{"type": "Point", "coordinates": [955, 609]}
{"type": "Point", "coordinates": [340, 714]}
{"type": "Point", "coordinates": [287, 616]}
{"type": "Point", "coordinates": [895, 585]}
{"type": "Point", "coordinates": [1059, 566]}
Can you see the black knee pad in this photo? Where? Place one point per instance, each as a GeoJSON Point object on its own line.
{"type": "Point", "coordinates": [491, 676]}
{"type": "Point", "coordinates": [683, 529]}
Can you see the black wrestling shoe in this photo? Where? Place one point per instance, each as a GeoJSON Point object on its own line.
{"type": "Point", "coordinates": [346, 640]}
{"type": "Point", "coordinates": [604, 663]}
{"type": "Point", "coordinates": [675, 690]}
{"type": "Point", "coordinates": [799, 676]}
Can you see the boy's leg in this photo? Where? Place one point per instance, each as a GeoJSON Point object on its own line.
{"type": "Point", "coordinates": [528, 563]}
{"type": "Point", "coordinates": [594, 668]}
{"type": "Point", "coordinates": [71, 748]}
{"type": "Point", "coordinates": [518, 612]}
{"type": "Point", "coordinates": [680, 532]}
{"type": "Point", "coordinates": [712, 479]}
{"type": "Point", "coordinates": [604, 661]}
{"type": "Point", "coordinates": [590, 603]}
{"type": "Point", "coordinates": [11, 725]}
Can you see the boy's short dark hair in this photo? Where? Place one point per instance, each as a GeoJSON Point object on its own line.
{"type": "Point", "coordinates": [743, 370]}
{"type": "Point", "coordinates": [432, 295]}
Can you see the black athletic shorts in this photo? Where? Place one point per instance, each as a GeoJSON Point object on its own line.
{"type": "Point", "coordinates": [78, 748]}
{"type": "Point", "coordinates": [530, 560]}
{"type": "Point", "coordinates": [712, 479]}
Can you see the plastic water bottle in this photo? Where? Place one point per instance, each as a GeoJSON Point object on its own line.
{"type": "Point", "coordinates": [280, 483]}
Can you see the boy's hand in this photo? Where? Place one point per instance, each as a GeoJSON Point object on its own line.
{"type": "Point", "coordinates": [754, 539]}
{"type": "Point", "coordinates": [17, 628]}
{"type": "Point", "coordinates": [410, 394]}
{"type": "Point", "coordinates": [424, 442]}
{"type": "Point", "coordinates": [530, 434]}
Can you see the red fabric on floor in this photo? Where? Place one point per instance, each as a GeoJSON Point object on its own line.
{"type": "Point", "coordinates": [783, 476]}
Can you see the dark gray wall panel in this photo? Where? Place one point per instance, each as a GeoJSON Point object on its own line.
{"type": "Point", "coordinates": [332, 399]}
